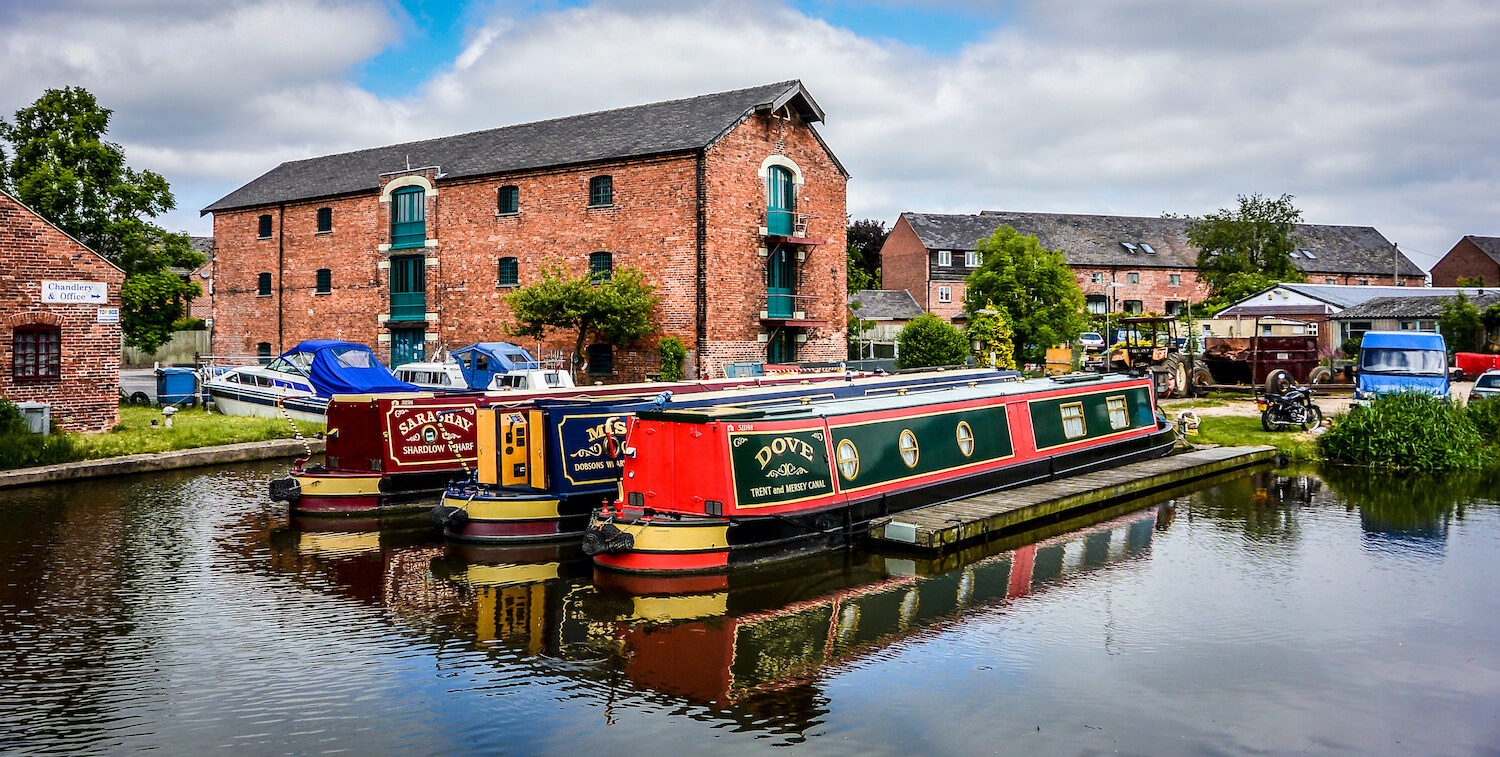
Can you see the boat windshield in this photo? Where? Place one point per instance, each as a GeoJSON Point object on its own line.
{"type": "Point", "coordinates": [282, 365]}
{"type": "Point", "coordinates": [1412, 362]}
{"type": "Point", "coordinates": [353, 357]}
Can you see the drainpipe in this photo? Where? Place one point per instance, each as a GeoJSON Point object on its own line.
{"type": "Point", "coordinates": [701, 260]}
{"type": "Point", "coordinates": [280, 271]}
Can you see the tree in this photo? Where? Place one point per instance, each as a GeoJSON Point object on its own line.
{"type": "Point", "coordinates": [991, 331]}
{"type": "Point", "coordinates": [1460, 324]}
{"type": "Point", "coordinates": [865, 237]}
{"type": "Point", "coordinates": [617, 310]}
{"type": "Point", "coordinates": [928, 340]}
{"type": "Point", "coordinates": [672, 352]}
{"type": "Point", "coordinates": [1469, 281]}
{"type": "Point", "coordinates": [63, 169]}
{"type": "Point", "coordinates": [1244, 250]}
{"type": "Point", "coordinates": [1033, 286]}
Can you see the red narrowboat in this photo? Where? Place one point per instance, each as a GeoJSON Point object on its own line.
{"type": "Point", "coordinates": [387, 452]}
{"type": "Point", "coordinates": [712, 488]}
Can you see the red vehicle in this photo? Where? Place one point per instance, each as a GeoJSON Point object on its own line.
{"type": "Point", "coordinates": [387, 450]}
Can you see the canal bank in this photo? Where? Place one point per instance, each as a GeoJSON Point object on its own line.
{"type": "Point", "coordinates": [159, 461]}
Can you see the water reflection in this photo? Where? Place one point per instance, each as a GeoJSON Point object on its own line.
{"type": "Point", "coordinates": [184, 610]}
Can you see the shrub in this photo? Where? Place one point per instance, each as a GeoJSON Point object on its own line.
{"type": "Point", "coordinates": [1350, 348]}
{"type": "Point", "coordinates": [10, 418]}
{"type": "Point", "coordinates": [1406, 431]}
{"type": "Point", "coordinates": [1484, 413]}
{"type": "Point", "coordinates": [672, 352]}
{"type": "Point", "coordinates": [928, 340]}
{"type": "Point", "coordinates": [189, 324]}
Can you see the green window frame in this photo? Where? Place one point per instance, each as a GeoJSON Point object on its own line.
{"type": "Point", "coordinates": [263, 285]}
{"type": "Point", "coordinates": [408, 218]}
{"type": "Point", "coordinates": [408, 288]}
{"type": "Point", "coordinates": [601, 359]}
{"type": "Point", "coordinates": [781, 201]}
{"type": "Point", "coordinates": [509, 270]}
{"type": "Point", "coordinates": [263, 351]}
{"type": "Point", "coordinates": [508, 200]}
{"type": "Point", "coordinates": [325, 281]}
{"type": "Point", "coordinates": [263, 226]}
{"type": "Point", "coordinates": [601, 266]}
{"type": "Point", "coordinates": [325, 220]}
{"type": "Point", "coordinates": [601, 191]}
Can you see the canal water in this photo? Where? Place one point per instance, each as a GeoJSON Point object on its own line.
{"type": "Point", "coordinates": [1276, 612]}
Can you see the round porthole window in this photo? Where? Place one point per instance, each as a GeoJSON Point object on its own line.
{"type": "Point", "coordinates": [848, 458]}
{"type": "Point", "coordinates": [965, 438]}
{"type": "Point", "coordinates": [908, 447]}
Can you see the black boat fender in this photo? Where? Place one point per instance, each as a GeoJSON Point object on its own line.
{"type": "Point", "coordinates": [285, 490]}
{"type": "Point", "coordinates": [449, 516]}
{"type": "Point", "coordinates": [604, 537]}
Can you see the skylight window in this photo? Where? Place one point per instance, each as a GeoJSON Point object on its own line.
{"type": "Point", "coordinates": [1148, 249]}
{"type": "Point", "coordinates": [1128, 246]}
{"type": "Point", "coordinates": [1309, 255]}
{"type": "Point", "coordinates": [1295, 253]}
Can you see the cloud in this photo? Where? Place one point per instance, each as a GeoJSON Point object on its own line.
{"type": "Point", "coordinates": [1369, 113]}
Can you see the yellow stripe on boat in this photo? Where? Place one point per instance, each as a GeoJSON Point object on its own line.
{"type": "Point", "coordinates": [653, 537]}
{"type": "Point", "coordinates": [338, 486]}
{"type": "Point", "coordinates": [504, 509]}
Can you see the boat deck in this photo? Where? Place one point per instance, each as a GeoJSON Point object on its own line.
{"type": "Point", "coordinates": [949, 524]}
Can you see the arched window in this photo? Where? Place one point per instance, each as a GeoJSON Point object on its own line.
{"type": "Point", "coordinates": [601, 266]}
{"type": "Point", "coordinates": [508, 200]}
{"type": "Point", "coordinates": [781, 200]}
{"type": "Point", "coordinates": [510, 272]}
{"type": "Point", "coordinates": [601, 360]}
{"type": "Point", "coordinates": [601, 191]}
{"type": "Point", "coordinates": [408, 217]}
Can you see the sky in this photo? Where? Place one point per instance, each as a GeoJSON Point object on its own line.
{"type": "Point", "coordinates": [1368, 112]}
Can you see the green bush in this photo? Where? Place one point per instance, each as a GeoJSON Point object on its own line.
{"type": "Point", "coordinates": [1406, 431]}
{"type": "Point", "coordinates": [189, 324]}
{"type": "Point", "coordinates": [19, 448]}
{"type": "Point", "coordinates": [1484, 413]}
{"type": "Point", "coordinates": [10, 418]}
{"type": "Point", "coordinates": [672, 352]}
{"type": "Point", "coordinates": [928, 340]}
{"type": "Point", "coordinates": [1350, 348]}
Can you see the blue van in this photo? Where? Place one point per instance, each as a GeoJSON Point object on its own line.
{"type": "Point", "coordinates": [1401, 361]}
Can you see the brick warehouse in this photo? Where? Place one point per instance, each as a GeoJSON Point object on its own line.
{"type": "Point", "coordinates": [1122, 263]}
{"type": "Point", "coordinates": [58, 352]}
{"type": "Point", "coordinates": [730, 203]}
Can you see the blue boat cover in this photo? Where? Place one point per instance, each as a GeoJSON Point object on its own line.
{"type": "Point", "coordinates": [482, 360]}
{"type": "Point", "coordinates": [339, 367]}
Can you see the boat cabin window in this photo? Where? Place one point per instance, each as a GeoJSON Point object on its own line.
{"type": "Point", "coordinates": [1118, 416]}
{"type": "Point", "coordinates": [848, 458]}
{"type": "Point", "coordinates": [282, 365]}
{"type": "Point", "coordinates": [481, 362]}
{"type": "Point", "coordinates": [264, 381]}
{"type": "Point", "coordinates": [553, 378]}
{"type": "Point", "coordinates": [512, 381]}
{"type": "Point", "coordinates": [353, 358]}
{"type": "Point", "coordinates": [1392, 360]}
{"type": "Point", "coordinates": [1072, 420]}
{"type": "Point", "coordinates": [233, 378]}
{"type": "Point", "coordinates": [908, 447]}
{"type": "Point", "coordinates": [965, 435]}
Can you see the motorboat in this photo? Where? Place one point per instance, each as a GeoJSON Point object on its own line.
{"type": "Point", "coordinates": [485, 366]}
{"type": "Point", "coordinates": [300, 381]}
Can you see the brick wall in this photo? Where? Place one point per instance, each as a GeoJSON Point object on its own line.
{"type": "Point", "coordinates": [903, 263]}
{"type": "Point", "coordinates": [651, 225]}
{"type": "Point", "coordinates": [86, 396]}
{"type": "Point", "coordinates": [1153, 287]}
{"type": "Point", "coordinates": [1465, 260]}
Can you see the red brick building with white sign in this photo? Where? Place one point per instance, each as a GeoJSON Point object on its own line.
{"type": "Point", "coordinates": [731, 204]}
{"type": "Point", "coordinates": [59, 321]}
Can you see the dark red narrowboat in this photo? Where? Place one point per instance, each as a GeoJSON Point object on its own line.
{"type": "Point", "coordinates": [707, 489]}
{"type": "Point", "coordinates": [387, 452]}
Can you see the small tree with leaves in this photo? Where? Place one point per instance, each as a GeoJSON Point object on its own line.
{"type": "Point", "coordinates": [1033, 286]}
{"type": "Point", "coordinates": [928, 340]}
{"type": "Point", "coordinates": [672, 353]}
{"type": "Point", "coordinates": [989, 329]}
{"type": "Point", "coordinates": [865, 238]}
{"type": "Point", "coordinates": [1246, 249]}
{"type": "Point", "coordinates": [616, 311]}
{"type": "Point", "coordinates": [1461, 324]}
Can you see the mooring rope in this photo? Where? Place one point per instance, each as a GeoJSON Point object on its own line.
{"type": "Point", "coordinates": [296, 433]}
{"type": "Point", "coordinates": [448, 440]}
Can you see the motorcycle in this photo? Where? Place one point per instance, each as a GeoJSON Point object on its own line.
{"type": "Point", "coordinates": [1292, 406]}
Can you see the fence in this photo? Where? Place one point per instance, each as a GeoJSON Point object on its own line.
{"type": "Point", "coordinates": [181, 348]}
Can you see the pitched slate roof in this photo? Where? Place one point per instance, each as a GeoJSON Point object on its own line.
{"type": "Point", "coordinates": [1411, 307]}
{"type": "Point", "coordinates": [1487, 245]}
{"type": "Point", "coordinates": [637, 131]}
{"type": "Point", "coordinates": [1093, 240]}
{"type": "Point", "coordinates": [884, 305]}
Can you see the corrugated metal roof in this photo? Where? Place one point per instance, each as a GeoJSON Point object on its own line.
{"type": "Point", "coordinates": [1410, 307]}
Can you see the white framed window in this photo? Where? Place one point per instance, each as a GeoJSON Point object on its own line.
{"type": "Point", "coordinates": [1330, 281]}
{"type": "Point", "coordinates": [1096, 278]}
{"type": "Point", "coordinates": [945, 257]}
{"type": "Point", "coordinates": [1132, 278]}
{"type": "Point", "coordinates": [1174, 279]}
{"type": "Point", "coordinates": [1072, 420]}
{"type": "Point", "coordinates": [973, 259]}
{"type": "Point", "coordinates": [945, 294]}
{"type": "Point", "coordinates": [1118, 416]}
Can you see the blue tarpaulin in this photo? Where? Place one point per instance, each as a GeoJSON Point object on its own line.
{"type": "Point", "coordinates": [337, 367]}
{"type": "Point", "coordinates": [482, 360]}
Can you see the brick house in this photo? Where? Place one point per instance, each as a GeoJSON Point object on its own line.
{"type": "Point", "coordinates": [1472, 257]}
{"type": "Point", "coordinates": [1122, 263]}
{"type": "Point", "coordinates": [60, 320]}
{"type": "Point", "coordinates": [730, 203]}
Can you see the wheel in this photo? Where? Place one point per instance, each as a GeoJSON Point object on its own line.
{"type": "Point", "coordinates": [1265, 421]}
{"type": "Point", "coordinates": [1320, 375]}
{"type": "Point", "coordinates": [140, 398]}
{"type": "Point", "coordinates": [1202, 379]}
{"type": "Point", "coordinates": [1277, 380]}
{"type": "Point", "coordinates": [1177, 375]}
{"type": "Point", "coordinates": [1312, 417]}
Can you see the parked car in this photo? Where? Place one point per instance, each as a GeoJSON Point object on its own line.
{"type": "Point", "coordinates": [1487, 385]}
{"type": "Point", "coordinates": [1091, 340]}
{"type": "Point", "coordinates": [1401, 361]}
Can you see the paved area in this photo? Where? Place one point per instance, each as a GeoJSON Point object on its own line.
{"type": "Point", "coordinates": [1331, 404]}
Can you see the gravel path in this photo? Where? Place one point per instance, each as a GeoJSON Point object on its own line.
{"type": "Point", "coordinates": [1331, 404]}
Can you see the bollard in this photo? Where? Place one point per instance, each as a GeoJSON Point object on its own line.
{"type": "Point", "coordinates": [167, 412]}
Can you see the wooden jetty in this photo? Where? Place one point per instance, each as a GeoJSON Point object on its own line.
{"type": "Point", "coordinates": [949, 524]}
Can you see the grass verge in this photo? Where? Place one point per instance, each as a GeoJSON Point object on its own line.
{"type": "Point", "coordinates": [134, 435]}
{"type": "Point", "coordinates": [1246, 431]}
